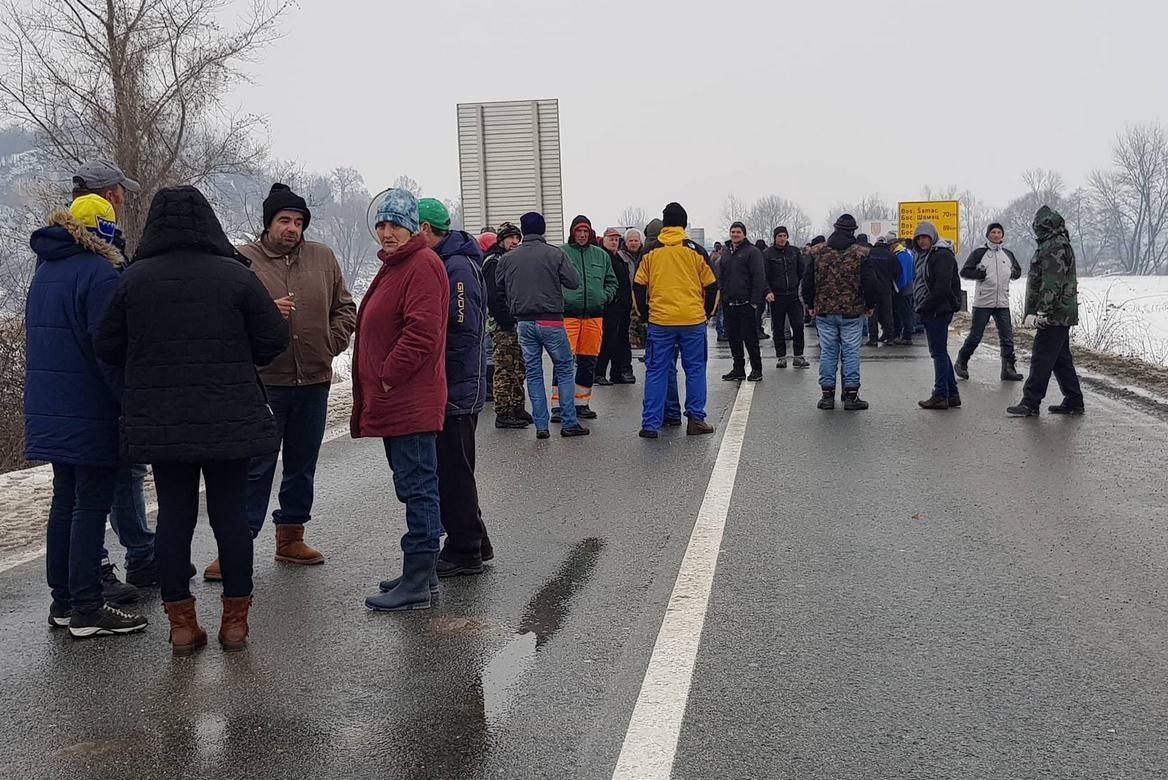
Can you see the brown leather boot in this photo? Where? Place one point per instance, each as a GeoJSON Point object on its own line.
{"type": "Point", "coordinates": [290, 546]}
{"type": "Point", "coordinates": [698, 427]}
{"type": "Point", "coordinates": [212, 573]}
{"type": "Point", "coordinates": [935, 402]}
{"type": "Point", "coordinates": [233, 629]}
{"type": "Point", "coordinates": [185, 635]}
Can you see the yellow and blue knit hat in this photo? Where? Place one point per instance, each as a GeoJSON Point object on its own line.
{"type": "Point", "coordinates": [97, 215]}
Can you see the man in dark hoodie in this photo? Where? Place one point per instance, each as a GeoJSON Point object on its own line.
{"type": "Point", "coordinates": [937, 295]}
{"type": "Point", "coordinates": [615, 351]}
{"type": "Point", "coordinates": [886, 267]}
{"type": "Point", "coordinates": [467, 544]}
{"type": "Point", "coordinates": [1052, 300]}
{"type": "Point", "coordinates": [508, 380]}
{"type": "Point", "coordinates": [742, 282]}
{"type": "Point", "coordinates": [839, 288]}
{"type": "Point", "coordinates": [784, 268]}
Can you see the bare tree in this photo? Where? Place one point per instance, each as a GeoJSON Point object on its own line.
{"type": "Point", "coordinates": [455, 208]}
{"type": "Point", "coordinates": [734, 209]}
{"type": "Point", "coordinates": [138, 81]}
{"type": "Point", "coordinates": [869, 207]}
{"type": "Point", "coordinates": [408, 184]}
{"type": "Point", "coordinates": [771, 211]}
{"type": "Point", "coordinates": [633, 216]}
{"type": "Point", "coordinates": [1133, 199]}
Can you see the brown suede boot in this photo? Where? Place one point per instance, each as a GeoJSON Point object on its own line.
{"type": "Point", "coordinates": [185, 635]}
{"type": "Point", "coordinates": [698, 428]}
{"type": "Point", "coordinates": [212, 573]}
{"type": "Point", "coordinates": [290, 546]}
{"type": "Point", "coordinates": [233, 629]}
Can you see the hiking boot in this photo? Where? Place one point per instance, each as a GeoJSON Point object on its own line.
{"type": "Point", "coordinates": [961, 368]}
{"type": "Point", "coordinates": [543, 434]}
{"type": "Point", "coordinates": [935, 402]}
{"type": "Point", "coordinates": [577, 430]}
{"type": "Point", "coordinates": [523, 414]}
{"type": "Point", "coordinates": [955, 401]}
{"type": "Point", "coordinates": [852, 400]}
{"type": "Point", "coordinates": [1065, 408]}
{"type": "Point", "coordinates": [413, 588]}
{"type": "Point", "coordinates": [698, 428]}
{"type": "Point", "coordinates": [113, 590]}
{"type": "Point", "coordinates": [106, 621]}
{"type": "Point", "coordinates": [801, 362]}
{"type": "Point", "coordinates": [59, 615]}
{"type": "Point", "coordinates": [233, 627]}
{"type": "Point", "coordinates": [508, 420]}
{"type": "Point", "coordinates": [212, 573]}
{"type": "Point", "coordinates": [447, 567]}
{"type": "Point", "coordinates": [827, 403]}
{"type": "Point", "coordinates": [755, 376]}
{"type": "Point", "coordinates": [673, 422]}
{"type": "Point", "coordinates": [646, 433]}
{"type": "Point", "coordinates": [145, 577]}
{"type": "Point", "coordinates": [603, 381]}
{"type": "Point", "coordinates": [1022, 410]}
{"type": "Point", "coordinates": [585, 413]}
{"type": "Point", "coordinates": [185, 634]}
{"type": "Point", "coordinates": [782, 363]}
{"type": "Point", "coordinates": [1010, 374]}
{"type": "Point", "coordinates": [737, 375]}
{"type": "Point", "coordinates": [290, 546]}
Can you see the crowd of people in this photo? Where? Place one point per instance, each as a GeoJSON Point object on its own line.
{"type": "Point", "coordinates": [208, 362]}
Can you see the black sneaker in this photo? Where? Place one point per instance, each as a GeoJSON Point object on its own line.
{"type": "Point", "coordinates": [106, 621]}
{"type": "Point", "coordinates": [543, 434]}
{"type": "Point", "coordinates": [755, 376]}
{"type": "Point", "coordinates": [576, 430]}
{"type": "Point", "coordinates": [146, 577]}
{"type": "Point", "coordinates": [557, 417]}
{"type": "Point", "coordinates": [1022, 410]}
{"type": "Point", "coordinates": [59, 615]}
{"type": "Point", "coordinates": [603, 381]}
{"type": "Point", "coordinates": [733, 376]}
{"type": "Point", "coordinates": [647, 433]}
{"type": "Point", "coordinates": [113, 590]}
{"type": "Point", "coordinates": [1065, 409]}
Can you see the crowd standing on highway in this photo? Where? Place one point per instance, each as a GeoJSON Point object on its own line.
{"type": "Point", "coordinates": [210, 362]}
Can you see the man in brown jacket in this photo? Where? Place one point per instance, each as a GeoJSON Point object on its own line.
{"type": "Point", "coordinates": [305, 280]}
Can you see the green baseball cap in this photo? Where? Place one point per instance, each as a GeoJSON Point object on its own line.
{"type": "Point", "coordinates": [434, 213]}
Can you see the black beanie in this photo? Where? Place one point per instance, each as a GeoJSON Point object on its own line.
{"type": "Point", "coordinates": [532, 224]}
{"type": "Point", "coordinates": [781, 229]}
{"type": "Point", "coordinates": [846, 223]}
{"type": "Point", "coordinates": [993, 225]}
{"type": "Point", "coordinates": [738, 225]}
{"type": "Point", "coordinates": [674, 216]}
{"type": "Point", "coordinates": [282, 198]}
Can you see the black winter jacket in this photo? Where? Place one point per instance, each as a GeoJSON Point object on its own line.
{"type": "Point", "coordinates": [784, 269]}
{"type": "Point", "coordinates": [887, 267]}
{"type": "Point", "coordinates": [190, 322]}
{"type": "Point", "coordinates": [624, 284]}
{"type": "Point", "coordinates": [942, 284]}
{"type": "Point", "coordinates": [532, 278]}
{"type": "Point", "coordinates": [743, 275]}
{"type": "Point", "coordinates": [496, 302]}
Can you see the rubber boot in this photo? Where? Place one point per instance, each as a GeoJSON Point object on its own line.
{"type": "Point", "coordinates": [290, 546]}
{"type": "Point", "coordinates": [233, 628]}
{"type": "Point", "coordinates": [852, 400]}
{"type": "Point", "coordinates": [1009, 373]}
{"type": "Point", "coordinates": [961, 367]}
{"type": "Point", "coordinates": [387, 585]}
{"type": "Point", "coordinates": [413, 587]}
{"type": "Point", "coordinates": [185, 635]}
{"type": "Point", "coordinates": [827, 403]}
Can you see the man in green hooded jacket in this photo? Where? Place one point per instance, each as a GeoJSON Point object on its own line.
{"type": "Point", "coordinates": [1052, 299]}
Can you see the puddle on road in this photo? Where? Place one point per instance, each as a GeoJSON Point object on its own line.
{"type": "Point", "coordinates": [543, 618]}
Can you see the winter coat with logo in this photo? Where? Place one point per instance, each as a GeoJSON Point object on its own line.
{"type": "Point", "coordinates": [532, 278]}
{"type": "Point", "coordinates": [71, 396]}
{"type": "Point", "coordinates": [1052, 287]}
{"type": "Point", "coordinates": [189, 323]}
{"type": "Point", "coordinates": [994, 267]}
{"type": "Point", "coordinates": [598, 285]}
{"type": "Point", "coordinates": [325, 314]}
{"type": "Point", "coordinates": [401, 343]}
{"type": "Point", "coordinates": [784, 269]}
{"type": "Point", "coordinates": [742, 276]}
{"type": "Point", "coordinates": [839, 279]}
{"type": "Point", "coordinates": [466, 367]}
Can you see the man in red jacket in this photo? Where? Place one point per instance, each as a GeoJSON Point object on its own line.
{"type": "Point", "coordinates": [399, 388]}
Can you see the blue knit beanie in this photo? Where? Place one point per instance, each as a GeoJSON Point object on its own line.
{"type": "Point", "coordinates": [532, 224]}
{"type": "Point", "coordinates": [399, 207]}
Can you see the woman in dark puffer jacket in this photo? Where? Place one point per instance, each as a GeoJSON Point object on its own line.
{"type": "Point", "coordinates": [189, 323]}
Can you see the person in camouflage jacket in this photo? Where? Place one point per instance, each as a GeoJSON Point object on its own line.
{"type": "Point", "coordinates": [1052, 299]}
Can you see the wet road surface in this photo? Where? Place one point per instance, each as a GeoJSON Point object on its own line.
{"type": "Point", "coordinates": [899, 594]}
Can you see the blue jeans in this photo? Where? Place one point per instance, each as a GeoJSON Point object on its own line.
{"type": "Point", "coordinates": [489, 347]}
{"type": "Point", "coordinates": [937, 332]}
{"type": "Point", "coordinates": [720, 323]}
{"type": "Point", "coordinates": [661, 348]}
{"type": "Point", "coordinates": [414, 462]}
{"type": "Point", "coordinates": [82, 496]}
{"type": "Point", "coordinates": [301, 414]}
{"type": "Point", "coordinates": [839, 339]}
{"type": "Point", "coordinates": [128, 518]}
{"type": "Point", "coordinates": [533, 340]}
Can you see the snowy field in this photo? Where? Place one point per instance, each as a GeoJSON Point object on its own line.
{"type": "Point", "coordinates": [1121, 315]}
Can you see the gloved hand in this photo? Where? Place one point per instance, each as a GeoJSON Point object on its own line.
{"type": "Point", "coordinates": [1042, 320]}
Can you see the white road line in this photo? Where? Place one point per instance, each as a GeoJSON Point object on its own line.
{"type": "Point", "coordinates": [651, 741]}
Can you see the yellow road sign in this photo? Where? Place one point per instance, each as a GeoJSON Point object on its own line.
{"type": "Point", "coordinates": [942, 213]}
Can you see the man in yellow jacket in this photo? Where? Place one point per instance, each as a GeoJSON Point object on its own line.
{"type": "Point", "coordinates": [676, 286]}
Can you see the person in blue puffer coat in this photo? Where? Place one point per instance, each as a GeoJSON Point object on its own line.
{"type": "Point", "coordinates": [467, 544]}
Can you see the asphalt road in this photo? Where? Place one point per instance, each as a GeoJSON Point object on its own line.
{"type": "Point", "coordinates": [899, 594]}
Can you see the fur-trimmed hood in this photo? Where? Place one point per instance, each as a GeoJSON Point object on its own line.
{"type": "Point", "coordinates": [63, 237]}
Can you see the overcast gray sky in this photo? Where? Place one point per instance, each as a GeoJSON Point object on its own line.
{"type": "Point", "coordinates": [690, 101]}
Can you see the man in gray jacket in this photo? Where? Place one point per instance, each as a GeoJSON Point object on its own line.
{"type": "Point", "coordinates": [531, 279]}
{"type": "Point", "coordinates": [994, 267]}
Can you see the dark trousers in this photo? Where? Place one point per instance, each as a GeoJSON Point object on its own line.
{"type": "Point", "coordinates": [937, 332]}
{"type": "Point", "coordinates": [458, 493]}
{"type": "Point", "coordinates": [301, 413]}
{"type": "Point", "coordinates": [1052, 354]}
{"type": "Point", "coordinates": [177, 485]}
{"type": "Point", "coordinates": [787, 309]}
{"type": "Point", "coordinates": [742, 330]}
{"type": "Point", "coordinates": [981, 318]}
{"type": "Point", "coordinates": [904, 321]}
{"type": "Point", "coordinates": [882, 318]}
{"type": "Point", "coordinates": [614, 348]}
{"type": "Point", "coordinates": [82, 496]}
